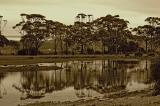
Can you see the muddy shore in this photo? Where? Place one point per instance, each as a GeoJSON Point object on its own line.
{"type": "Point", "coordinates": [137, 98]}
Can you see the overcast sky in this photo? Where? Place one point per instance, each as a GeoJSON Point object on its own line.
{"type": "Point", "coordinates": [64, 11]}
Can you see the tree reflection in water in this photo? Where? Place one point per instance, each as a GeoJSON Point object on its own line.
{"type": "Point", "coordinates": [155, 67]}
{"type": "Point", "coordinates": [3, 91]}
{"type": "Point", "coordinates": [37, 83]}
{"type": "Point", "coordinates": [102, 76]}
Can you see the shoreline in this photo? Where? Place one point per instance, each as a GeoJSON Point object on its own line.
{"type": "Point", "coordinates": [142, 98]}
{"type": "Point", "coordinates": [29, 68]}
{"type": "Point", "coordinates": [24, 60]}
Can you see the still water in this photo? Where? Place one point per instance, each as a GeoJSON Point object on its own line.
{"type": "Point", "coordinates": [77, 80]}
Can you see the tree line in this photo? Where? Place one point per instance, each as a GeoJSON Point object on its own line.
{"type": "Point", "coordinates": [110, 33]}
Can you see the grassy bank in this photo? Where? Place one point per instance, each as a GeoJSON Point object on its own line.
{"type": "Point", "coordinates": [143, 98]}
{"type": "Point", "coordinates": [19, 60]}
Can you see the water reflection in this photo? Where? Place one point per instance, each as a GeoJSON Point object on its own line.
{"type": "Point", "coordinates": [87, 78]}
{"type": "Point", "coordinates": [103, 76]}
{"type": "Point", "coordinates": [156, 76]}
{"type": "Point", "coordinates": [3, 90]}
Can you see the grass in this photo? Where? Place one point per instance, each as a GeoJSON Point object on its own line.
{"type": "Point", "coordinates": [22, 60]}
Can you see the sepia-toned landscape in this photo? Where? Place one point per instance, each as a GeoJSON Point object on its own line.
{"type": "Point", "coordinates": [79, 53]}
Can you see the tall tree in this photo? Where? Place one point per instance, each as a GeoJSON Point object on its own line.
{"type": "Point", "coordinates": [33, 28]}
{"type": "Point", "coordinates": [15, 45]}
{"type": "Point", "coordinates": [81, 35]}
{"type": "Point", "coordinates": [82, 17]}
{"type": "Point", "coordinates": [68, 38]}
{"type": "Point", "coordinates": [111, 28]}
{"type": "Point", "coordinates": [154, 22]}
{"type": "Point", "coordinates": [3, 40]}
{"type": "Point", "coordinates": [156, 38]}
{"type": "Point", "coordinates": [146, 31]}
{"type": "Point", "coordinates": [56, 31]}
{"type": "Point", "coordinates": [2, 24]}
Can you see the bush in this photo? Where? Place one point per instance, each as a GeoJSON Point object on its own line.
{"type": "Point", "coordinates": [98, 52]}
{"type": "Point", "coordinates": [127, 54]}
{"type": "Point", "coordinates": [151, 54]}
{"type": "Point", "coordinates": [139, 54]}
{"type": "Point", "coordinates": [32, 51]}
{"type": "Point", "coordinates": [90, 51]}
{"type": "Point", "coordinates": [22, 52]}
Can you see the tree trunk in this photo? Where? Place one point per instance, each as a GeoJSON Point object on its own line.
{"type": "Point", "coordinates": [66, 48]}
{"type": "Point", "coordinates": [103, 48]}
{"type": "Point", "coordinates": [146, 47]}
{"type": "Point", "coordinates": [61, 46]}
{"type": "Point", "coordinates": [36, 51]}
{"type": "Point", "coordinates": [82, 49]}
{"type": "Point", "coordinates": [36, 48]}
{"type": "Point", "coordinates": [93, 49]}
{"type": "Point", "coordinates": [116, 42]}
{"type": "Point", "coordinates": [116, 49]}
{"type": "Point", "coordinates": [55, 46]}
{"type": "Point", "coordinates": [151, 43]}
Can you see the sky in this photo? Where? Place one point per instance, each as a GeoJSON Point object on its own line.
{"type": "Point", "coordinates": [64, 11]}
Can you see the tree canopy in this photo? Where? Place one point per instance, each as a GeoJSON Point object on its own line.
{"type": "Point", "coordinates": [110, 31]}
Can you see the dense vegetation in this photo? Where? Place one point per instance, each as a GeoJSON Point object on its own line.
{"type": "Point", "coordinates": [105, 35]}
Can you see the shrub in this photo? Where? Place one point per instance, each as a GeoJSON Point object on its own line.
{"type": "Point", "coordinates": [139, 54]}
